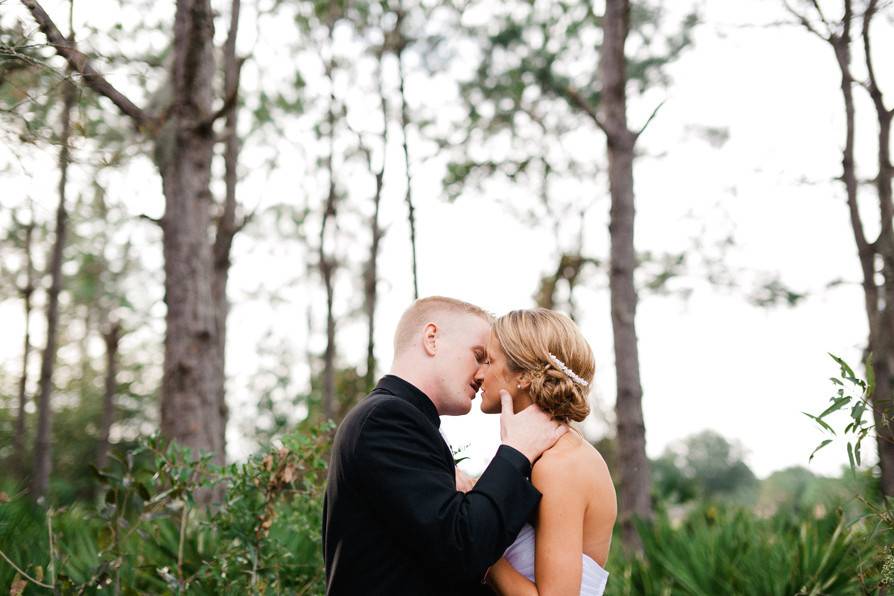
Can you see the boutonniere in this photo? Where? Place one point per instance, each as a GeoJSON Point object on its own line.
{"type": "Point", "coordinates": [458, 451]}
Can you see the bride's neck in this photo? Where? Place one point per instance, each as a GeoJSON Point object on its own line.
{"type": "Point", "coordinates": [521, 400]}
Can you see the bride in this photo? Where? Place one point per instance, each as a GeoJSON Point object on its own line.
{"type": "Point", "coordinates": [540, 357]}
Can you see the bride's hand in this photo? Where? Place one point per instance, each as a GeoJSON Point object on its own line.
{"type": "Point", "coordinates": [464, 482]}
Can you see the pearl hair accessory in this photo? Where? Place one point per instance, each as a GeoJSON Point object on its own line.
{"type": "Point", "coordinates": [568, 372]}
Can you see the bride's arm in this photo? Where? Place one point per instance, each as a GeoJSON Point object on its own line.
{"type": "Point", "coordinates": [559, 536]}
{"type": "Point", "coordinates": [506, 581]}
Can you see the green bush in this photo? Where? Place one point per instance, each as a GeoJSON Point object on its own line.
{"type": "Point", "coordinates": [151, 533]}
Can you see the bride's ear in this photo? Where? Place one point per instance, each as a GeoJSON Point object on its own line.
{"type": "Point", "coordinates": [524, 382]}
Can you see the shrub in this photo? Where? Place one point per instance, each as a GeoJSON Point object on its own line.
{"type": "Point", "coordinates": [152, 534]}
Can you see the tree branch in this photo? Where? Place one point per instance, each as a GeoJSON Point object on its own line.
{"type": "Point", "coordinates": [229, 103]}
{"type": "Point", "coordinates": [80, 63]}
{"type": "Point", "coordinates": [822, 16]}
{"type": "Point", "coordinates": [807, 25]}
{"type": "Point", "coordinates": [151, 219]}
{"type": "Point", "coordinates": [885, 169]}
{"type": "Point", "coordinates": [227, 228]}
{"type": "Point", "coordinates": [247, 218]}
{"type": "Point", "coordinates": [576, 99]}
{"type": "Point", "coordinates": [649, 120]}
{"type": "Point", "coordinates": [872, 86]}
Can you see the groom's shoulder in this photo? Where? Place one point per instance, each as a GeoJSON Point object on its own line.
{"type": "Point", "coordinates": [375, 414]}
{"type": "Point", "coordinates": [379, 406]}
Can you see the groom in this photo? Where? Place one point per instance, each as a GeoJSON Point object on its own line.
{"type": "Point", "coordinates": [393, 520]}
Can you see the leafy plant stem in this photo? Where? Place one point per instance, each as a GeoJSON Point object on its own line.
{"type": "Point", "coordinates": [183, 516]}
{"type": "Point", "coordinates": [25, 575]}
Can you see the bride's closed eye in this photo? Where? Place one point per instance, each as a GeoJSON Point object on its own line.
{"type": "Point", "coordinates": [481, 357]}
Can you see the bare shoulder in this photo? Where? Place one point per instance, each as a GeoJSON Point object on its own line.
{"type": "Point", "coordinates": [571, 464]}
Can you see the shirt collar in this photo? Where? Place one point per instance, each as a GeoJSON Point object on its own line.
{"type": "Point", "coordinates": [396, 386]}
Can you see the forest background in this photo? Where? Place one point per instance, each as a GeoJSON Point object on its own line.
{"type": "Point", "coordinates": [213, 214]}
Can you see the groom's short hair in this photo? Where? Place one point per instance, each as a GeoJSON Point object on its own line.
{"type": "Point", "coordinates": [423, 310]}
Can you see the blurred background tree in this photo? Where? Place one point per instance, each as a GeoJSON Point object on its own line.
{"type": "Point", "coordinates": [705, 466]}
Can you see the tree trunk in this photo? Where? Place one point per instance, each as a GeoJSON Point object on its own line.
{"type": "Point", "coordinates": [883, 408]}
{"type": "Point", "coordinates": [191, 411]}
{"type": "Point", "coordinates": [112, 338]}
{"type": "Point", "coordinates": [328, 262]}
{"type": "Point", "coordinates": [226, 226]}
{"type": "Point", "coordinates": [883, 351]}
{"type": "Point", "coordinates": [371, 278]}
{"type": "Point", "coordinates": [190, 408]}
{"type": "Point", "coordinates": [879, 312]}
{"type": "Point", "coordinates": [43, 439]}
{"type": "Point", "coordinates": [404, 127]}
{"type": "Point", "coordinates": [635, 481]}
{"type": "Point", "coordinates": [20, 437]}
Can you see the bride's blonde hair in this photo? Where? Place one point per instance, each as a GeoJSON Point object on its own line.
{"type": "Point", "coordinates": [528, 337]}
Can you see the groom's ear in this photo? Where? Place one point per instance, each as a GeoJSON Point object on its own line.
{"type": "Point", "coordinates": [430, 339]}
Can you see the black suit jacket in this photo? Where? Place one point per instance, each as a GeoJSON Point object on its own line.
{"type": "Point", "coordinates": [393, 521]}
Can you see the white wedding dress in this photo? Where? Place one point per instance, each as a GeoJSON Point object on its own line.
{"type": "Point", "coordinates": [521, 556]}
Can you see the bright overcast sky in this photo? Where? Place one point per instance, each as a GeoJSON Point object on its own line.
{"type": "Point", "coordinates": [713, 361]}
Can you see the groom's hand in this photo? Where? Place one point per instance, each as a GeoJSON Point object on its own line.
{"type": "Point", "coordinates": [531, 431]}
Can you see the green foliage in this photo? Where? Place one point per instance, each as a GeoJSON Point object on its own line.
{"type": "Point", "coordinates": [151, 533]}
{"type": "Point", "coordinates": [537, 83]}
{"type": "Point", "coordinates": [269, 524]}
{"type": "Point", "coordinates": [28, 86]}
{"type": "Point", "coordinates": [798, 492]}
{"type": "Point", "coordinates": [732, 551]}
{"type": "Point", "coordinates": [855, 393]}
{"type": "Point", "coordinates": [706, 466]}
{"type": "Point", "coordinates": [773, 291]}
{"type": "Point", "coordinates": [350, 387]}
{"type": "Point", "coordinates": [887, 576]}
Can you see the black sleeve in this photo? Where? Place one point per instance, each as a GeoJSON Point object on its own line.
{"type": "Point", "coordinates": [412, 490]}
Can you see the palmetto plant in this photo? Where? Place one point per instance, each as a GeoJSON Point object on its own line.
{"type": "Point", "coordinates": [717, 551]}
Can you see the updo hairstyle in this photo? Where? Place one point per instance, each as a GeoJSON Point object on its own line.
{"type": "Point", "coordinates": [528, 337]}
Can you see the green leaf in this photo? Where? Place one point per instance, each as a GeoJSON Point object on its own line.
{"type": "Point", "coordinates": [820, 422]}
{"type": "Point", "coordinates": [870, 376]}
{"type": "Point", "coordinates": [837, 404]}
{"type": "Point", "coordinates": [857, 451]}
{"type": "Point", "coordinates": [103, 477]}
{"type": "Point", "coordinates": [857, 413]}
{"type": "Point", "coordinates": [821, 445]}
{"type": "Point", "coordinates": [844, 365]}
{"type": "Point", "coordinates": [850, 456]}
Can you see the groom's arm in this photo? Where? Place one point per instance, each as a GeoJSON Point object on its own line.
{"type": "Point", "coordinates": [412, 490]}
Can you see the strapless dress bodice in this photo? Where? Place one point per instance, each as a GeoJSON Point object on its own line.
{"type": "Point", "coordinates": [521, 556]}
